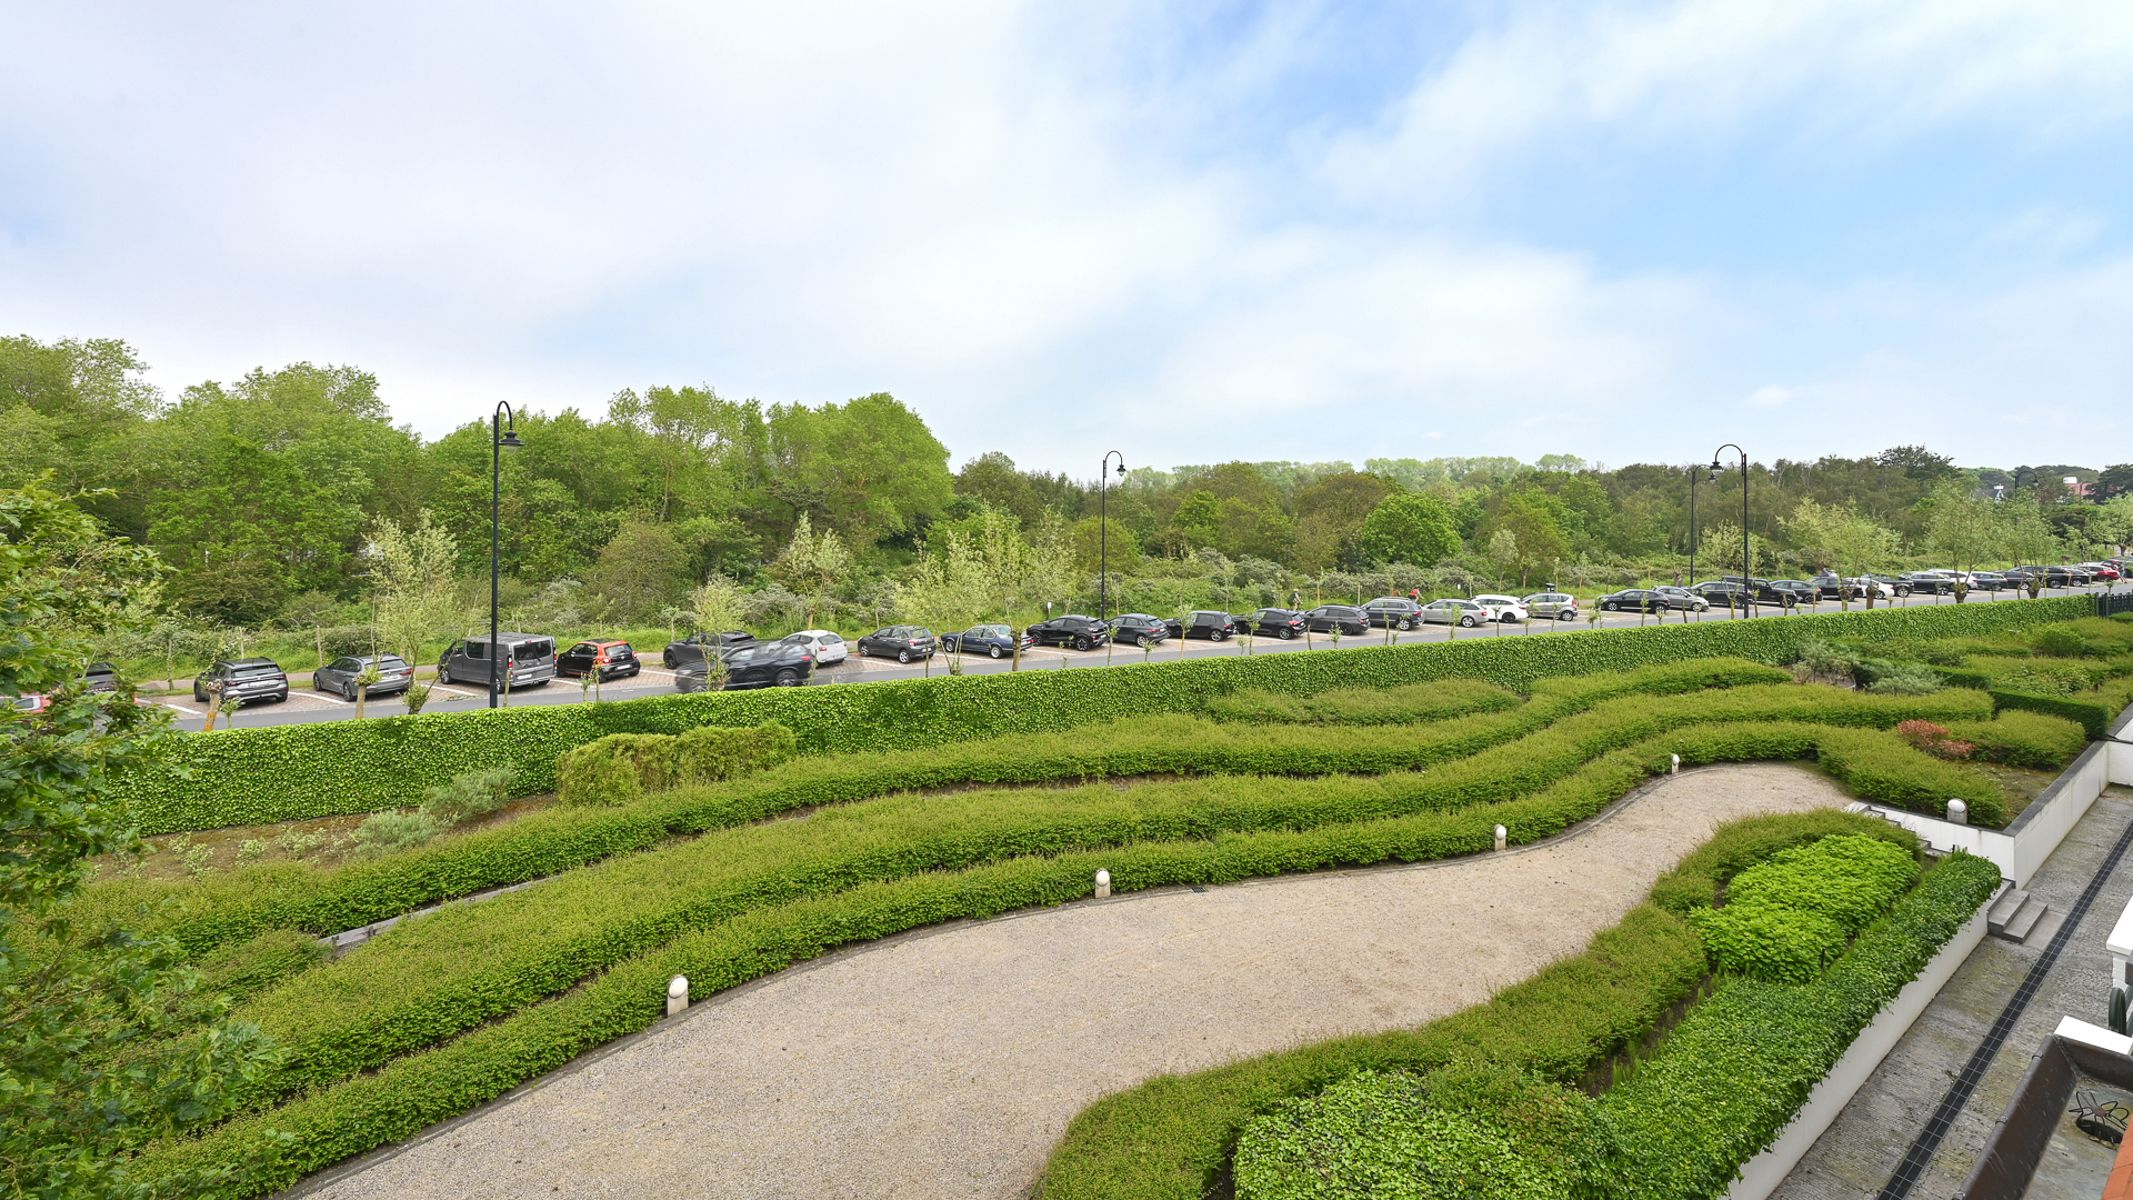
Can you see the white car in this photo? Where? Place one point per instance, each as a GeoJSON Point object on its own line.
{"type": "Point", "coordinates": [1503, 608]}
{"type": "Point", "coordinates": [828, 647]}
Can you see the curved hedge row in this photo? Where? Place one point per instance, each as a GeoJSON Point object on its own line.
{"type": "Point", "coordinates": [220, 908]}
{"type": "Point", "coordinates": [290, 772]}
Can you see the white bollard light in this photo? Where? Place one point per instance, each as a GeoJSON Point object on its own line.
{"type": "Point", "coordinates": [1677, 764]}
{"type": "Point", "coordinates": [677, 994]}
{"type": "Point", "coordinates": [1103, 884]}
{"type": "Point", "coordinates": [1503, 837]}
{"type": "Point", "coordinates": [1958, 813]}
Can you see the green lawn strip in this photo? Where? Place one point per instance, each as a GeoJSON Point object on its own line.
{"type": "Point", "coordinates": [433, 978]}
{"type": "Point", "coordinates": [1731, 1076]}
{"type": "Point", "coordinates": [262, 775]}
{"type": "Point", "coordinates": [224, 908]}
{"type": "Point", "coordinates": [1575, 1010]}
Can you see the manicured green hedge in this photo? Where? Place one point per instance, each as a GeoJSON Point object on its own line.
{"type": "Point", "coordinates": [1785, 918]}
{"type": "Point", "coordinates": [2093, 715]}
{"type": "Point", "coordinates": [220, 908]}
{"type": "Point", "coordinates": [1170, 1138]}
{"type": "Point", "coordinates": [259, 775]}
{"type": "Point", "coordinates": [1365, 706]}
{"type": "Point", "coordinates": [2023, 739]}
{"type": "Point", "coordinates": [622, 768]}
{"type": "Point", "coordinates": [1733, 1073]}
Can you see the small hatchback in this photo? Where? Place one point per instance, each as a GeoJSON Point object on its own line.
{"type": "Point", "coordinates": [1393, 612]}
{"type": "Point", "coordinates": [1337, 618]}
{"type": "Point", "coordinates": [1455, 612]}
{"type": "Point", "coordinates": [613, 660]}
{"type": "Point", "coordinates": [1138, 629]}
{"type": "Point", "coordinates": [900, 642]}
{"type": "Point", "coordinates": [828, 646]}
{"type": "Point", "coordinates": [1205, 623]}
{"type": "Point", "coordinates": [343, 675]}
{"type": "Point", "coordinates": [1560, 606]}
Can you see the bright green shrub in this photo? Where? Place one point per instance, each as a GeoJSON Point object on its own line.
{"type": "Point", "coordinates": [2044, 676]}
{"type": "Point", "coordinates": [1849, 880]}
{"type": "Point", "coordinates": [1365, 706]}
{"type": "Point", "coordinates": [617, 769]}
{"type": "Point", "coordinates": [710, 753]}
{"type": "Point", "coordinates": [1872, 764]}
{"type": "Point", "coordinates": [2023, 739]}
{"type": "Point", "coordinates": [2064, 641]}
{"type": "Point", "coordinates": [386, 832]}
{"type": "Point", "coordinates": [1737, 1068]}
{"type": "Point", "coordinates": [2093, 712]}
{"type": "Point", "coordinates": [1169, 1138]}
{"type": "Point", "coordinates": [1469, 1131]}
{"type": "Point", "coordinates": [462, 798]}
{"type": "Point", "coordinates": [1789, 945]}
{"type": "Point", "coordinates": [289, 772]}
{"type": "Point", "coordinates": [243, 968]}
{"type": "Point", "coordinates": [1903, 679]}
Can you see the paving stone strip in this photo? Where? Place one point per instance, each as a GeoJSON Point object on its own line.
{"type": "Point", "coordinates": [947, 1063]}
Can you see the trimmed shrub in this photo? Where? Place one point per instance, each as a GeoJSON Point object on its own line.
{"type": "Point", "coordinates": [2093, 715]}
{"type": "Point", "coordinates": [386, 832]}
{"type": "Point", "coordinates": [2023, 739]}
{"type": "Point", "coordinates": [1365, 706]}
{"type": "Point", "coordinates": [1788, 945]}
{"type": "Point", "coordinates": [710, 753]}
{"type": "Point", "coordinates": [1901, 679]}
{"type": "Point", "coordinates": [290, 772]}
{"type": "Point", "coordinates": [241, 969]}
{"type": "Point", "coordinates": [462, 798]}
{"type": "Point", "coordinates": [2064, 641]}
{"type": "Point", "coordinates": [623, 768]}
{"type": "Point", "coordinates": [1786, 917]}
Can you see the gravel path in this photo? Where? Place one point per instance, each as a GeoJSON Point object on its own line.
{"type": "Point", "coordinates": [947, 1063]}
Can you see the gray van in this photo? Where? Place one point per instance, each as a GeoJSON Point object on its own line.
{"type": "Point", "coordinates": [529, 660]}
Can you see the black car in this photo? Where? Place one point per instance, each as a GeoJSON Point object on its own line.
{"type": "Point", "coordinates": [900, 642]}
{"type": "Point", "coordinates": [1632, 600]}
{"type": "Point", "coordinates": [1205, 623]}
{"type": "Point", "coordinates": [1393, 612]}
{"type": "Point", "coordinates": [1080, 632]}
{"type": "Point", "coordinates": [243, 679]}
{"type": "Point", "coordinates": [1990, 581]}
{"type": "Point", "coordinates": [1931, 583]}
{"type": "Point", "coordinates": [1801, 591]}
{"type": "Point", "coordinates": [100, 677]}
{"type": "Point", "coordinates": [691, 648]}
{"type": "Point", "coordinates": [1283, 623]}
{"type": "Point", "coordinates": [340, 676]}
{"type": "Point", "coordinates": [1138, 629]}
{"type": "Point", "coordinates": [996, 640]}
{"type": "Point", "coordinates": [614, 660]}
{"type": "Point", "coordinates": [1721, 592]}
{"type": "Point", "coordinates": [1337, 618]}
{"type": "Point", "coordinates": [764, 664]}
{"type": "Point", "coordinates": [1897, 583]}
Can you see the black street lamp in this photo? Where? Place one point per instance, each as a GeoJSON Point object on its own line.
{"type": "Point", "coordinates": [1693, 473]}
{"type": "Point", "coordinates": [503, 435]}
{"type": "Point", "coordinates": [1103, 534]}
{"type": "Point", "coordinates": [1747, 589]}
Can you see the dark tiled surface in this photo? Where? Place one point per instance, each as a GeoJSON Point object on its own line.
{"type": "Point", "coordinates": [1864, 1148]}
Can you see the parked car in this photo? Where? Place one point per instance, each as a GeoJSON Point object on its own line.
{"type": "Point", "coordinates": [1990, 581]}
{"type": "Point", "coordinates": [1560, 606]}
{"type": "Point", "coordinates": [783, 663]}
{"type": "Point", "coordinates": [528, 660]}
{"type": "Point", "coordinates": [1802, 592]}
{"type": "Point", "coordinates": [1283, 623]}
{"type": "Point", "coordinates": [1895, 583]}
{"type": "Point", "coordinates": [900, 642]}
{"type": "Point", "coordinates": [2052, 576]}
{"type": "Point", "coordinates": [829, 648]}
{"type": "Point", "coordinates": [2077, 577]}
{"type": "Point", "coordinates": [612, 659]}
{"type": "Point", "coordinates": [340, 675]}
{"type": "Point", "coordinates": [1450, 611]}
{"type": "Point", "coordinates": [996, 640]}
{"type": "Point", "coordinates": [1681, 598]}
{"type": "Point", "coordinates": [1506, 608]}
{"type": "Point", "coordinates": [1730, 591]}
{"type": "Point", "coordinates": [1205, 623]}
{"type": "Point", "coordinates": [1337, 618]}
{"type": "Point", "coordinates": [1074, 629]}
{"type": "Point", "coordinates": [1632, 600]}
{"type": "Point", "coordinates": [1393, 612]}
{"type": "Point", "coordinates": [100, 677]}
{"type": "Point", "coordinates": [691, 648]}
{"type": "Point", "coordinates": [30, 703]}
{"type": "Point", "coordinates": [2102, 570]}
{"type": "Point", "coordinates": [1931, 583]}
{"type": "Point", "coordinates": [1138, 629]}
{"type": "Point", "coordinates": [246, 679]}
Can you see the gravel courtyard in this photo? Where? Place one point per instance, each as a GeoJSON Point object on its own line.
{"type": "Point", "coordinates": [946, 1063]}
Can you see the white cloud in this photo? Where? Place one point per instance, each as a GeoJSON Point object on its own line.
{"type": "Point", "coordinates": [1771, 395]}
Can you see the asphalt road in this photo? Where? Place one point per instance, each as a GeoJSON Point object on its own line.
{"type": "Point", "coordinates": [304, 706]}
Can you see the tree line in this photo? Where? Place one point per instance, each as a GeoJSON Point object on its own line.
{"type": "Point", "coordinates": [289, 498]}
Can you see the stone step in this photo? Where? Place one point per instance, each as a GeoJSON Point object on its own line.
{"type": "Point", "coordinates": [2041, 933]}
{"type": "Point", "coordinates": [2003, 908]}
{"type": "Point", "coordinates": [2024, 919]}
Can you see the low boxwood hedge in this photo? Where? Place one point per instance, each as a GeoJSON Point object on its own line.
{"type": "Point", "coordinates": [1365, 706]}
{"type": "Point", "coordinates": [290, 772]}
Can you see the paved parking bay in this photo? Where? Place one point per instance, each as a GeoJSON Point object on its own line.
{"type": "Point", "coordinates": [305, 706]}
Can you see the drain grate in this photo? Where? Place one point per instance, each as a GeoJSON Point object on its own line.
{"type": "Point", "coordinates": [1928, 1141]}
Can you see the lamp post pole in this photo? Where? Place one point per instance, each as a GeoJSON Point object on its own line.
{"type": "Point", "coordinates": [1694, 471]}
{"type": "Point", "coordinates": [1103, 533]}
{"type": "Point", "coordinates": [1747, 589]}
{"type": "Point", "coordinates": [503, 432]}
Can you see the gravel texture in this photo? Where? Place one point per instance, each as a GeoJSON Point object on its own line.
{"type": "Point", "coordinates": [946, 1063]}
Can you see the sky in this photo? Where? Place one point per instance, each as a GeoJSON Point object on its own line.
{"type": "Point", "coordinates": [1191, 232]}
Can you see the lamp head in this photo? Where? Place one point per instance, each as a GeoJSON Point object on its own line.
{"type": "Point", "coordinates": [1121, 468]}
{"type": "Point", "coordinates": [1715, 468]}
{"type": "Point", "coordinates": [510, 440]}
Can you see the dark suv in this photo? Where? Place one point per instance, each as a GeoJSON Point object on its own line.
{"type": "Point", "coordinates": [1074, 629]}
{"type": "Point", "coordinates": [1337, 618]}
{"type": "Point", "coordinates": [691, 648]}
{"type": "Point", "coordinates": [244, 679]}
{"type": "Point", "coordinates": [786, 663]}
{"type": "Point", "coordinates": [900, 642]}
{"type": "Point", "coordinates": [1283, 623]}
{"type": "Point", "coordinates": [1396, 612]}
{"type": "Point", "coordinates": [1206, 623]}
{"type": "Point", "coordinates": [1138, 629]}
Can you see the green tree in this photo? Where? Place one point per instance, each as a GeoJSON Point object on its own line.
{"type": "Point", "coordinates": [1409, 528]}
{"type": "Point", "coordinates": [812, 564]}
{"type": "Point", "coordinates": [641, 570]}
{"type": "Point", "coordinates": [1329, 520]}
{"type": "Point", "coordinates": [415, 583]}
{"type": "Point", "coordinates": [868, 467]}
{"type": "Point", "coordinates": [1961, 529]}
{"type": "Point", "coordinates": [106, 1039]}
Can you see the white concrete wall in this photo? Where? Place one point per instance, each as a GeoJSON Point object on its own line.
{"type": "Point", "coordinates": [2044, 824]}
{"type": "Point", "coordinates": [1767, 1170]}
{"type": "Point", "coordinates": [1946, 836]}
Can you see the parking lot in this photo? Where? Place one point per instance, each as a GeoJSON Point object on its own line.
{"type": "Point", "coordinates": [305, 705]}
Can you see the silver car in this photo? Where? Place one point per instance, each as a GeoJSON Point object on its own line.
{"type": "Point", "coordinates": [1560, 605]}
{"type": "Point", "coordinates": [1468, 613]}
{"type": "Point", "coordinates": [340, 676]}
{"type": "Point", "coordinates": [1682, 599]}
